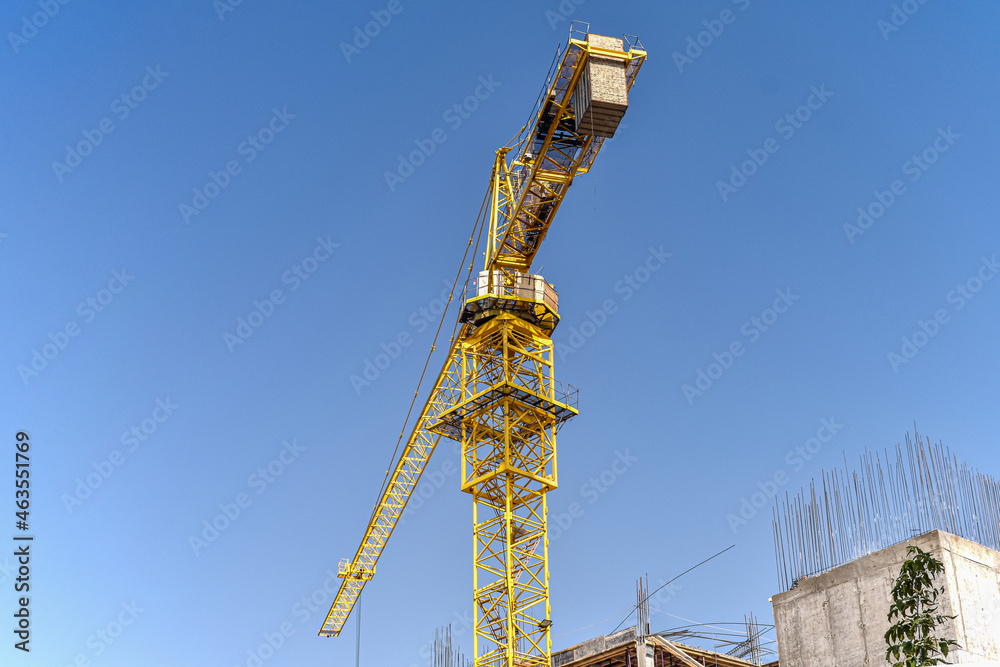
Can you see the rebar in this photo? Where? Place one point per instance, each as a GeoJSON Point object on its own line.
{"type": "Point", "coordinates": [849, 514]}
{"type": "Point", "coordinates": [642, 608]}
{"type": "Point", "coordinates": [444, 654]}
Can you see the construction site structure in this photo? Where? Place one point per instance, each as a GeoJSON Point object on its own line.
{"type": "Point", "coordinates": [497, 394]}
{"type": "Point", "coordinates": [627, 648]}
{"type": "Point", "coordinates": [848, 514]}
{"type": "Point", "coordinates": [839, 617]}
{"type": "Point", "coordinates": [840, 544]}
{"type": "Point", "coordinates": [444, 653]}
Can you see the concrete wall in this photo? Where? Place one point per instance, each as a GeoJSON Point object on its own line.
{"type": "Point", "coordinates": [838, 618]}
{"type": "Point", "coordinates": [593, 647]}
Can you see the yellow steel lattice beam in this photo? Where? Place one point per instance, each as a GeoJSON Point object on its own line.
{"type": "Point", "coordinates": [508, 465]}
{"type": "Point", "coordinates": [547, 158]}
{"type": "Point", "coordinates": [392, 502]}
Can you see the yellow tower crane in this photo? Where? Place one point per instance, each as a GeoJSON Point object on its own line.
{"type": "Point", "coordinates": [497, 394]}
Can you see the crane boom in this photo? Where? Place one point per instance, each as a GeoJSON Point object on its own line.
{"type": "Point", "coordinates": [419, 447]}
{"type": "Point", "coordinates": [497, 384]}
{"type": "Point", "coordinates": [560, 141]}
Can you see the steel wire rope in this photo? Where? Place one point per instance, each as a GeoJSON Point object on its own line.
{"type": "Point", "coordinates": [480, 220]}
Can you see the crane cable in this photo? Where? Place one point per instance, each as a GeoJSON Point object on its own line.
{"type": "Point", "coordinates": [480, 220]}
{"type": "Point", "coordinates": [603, 620]}
{"type": "Point", "coordinates": [670, 582]}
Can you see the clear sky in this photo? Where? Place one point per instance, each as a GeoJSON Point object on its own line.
{"type": "Point", "coordinates": [169, 169]}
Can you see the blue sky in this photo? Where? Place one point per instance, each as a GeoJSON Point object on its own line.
{"type": "Point", "coordinates": [134, 295]}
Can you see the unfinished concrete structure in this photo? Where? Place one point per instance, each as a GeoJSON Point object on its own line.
{"type": "Point", "coordinates": [838, 618]}
{"type": "Point", "coordinates": [839, 545]}
{"type": "Point", "coordinates": [625, 649]}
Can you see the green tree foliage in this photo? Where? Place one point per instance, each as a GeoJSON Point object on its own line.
{"type": "Point", "coordinates": [911, 641]}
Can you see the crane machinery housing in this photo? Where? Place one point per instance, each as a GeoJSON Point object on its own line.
{"type": "Point", "coordinates": [497, 394]}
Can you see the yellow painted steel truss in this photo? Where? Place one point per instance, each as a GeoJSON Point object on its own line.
{"type": "Point", "coordinates": [417, 451]}
{"type": "Point", "coordinates": [496, 393]}
{"type": "Point", "coordinates": [547, 154]}
{"type": "Point", "coordinates": [506, 420]}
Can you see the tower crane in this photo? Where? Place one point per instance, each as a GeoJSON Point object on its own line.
{"type": "Point", "coordinates": [497, 394]}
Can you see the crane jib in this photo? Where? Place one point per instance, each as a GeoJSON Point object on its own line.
{"type": "Point", "coordinates": [582, 106]}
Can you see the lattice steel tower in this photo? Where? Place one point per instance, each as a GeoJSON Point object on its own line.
{"type": "Point", "coordinates": [497, 394]}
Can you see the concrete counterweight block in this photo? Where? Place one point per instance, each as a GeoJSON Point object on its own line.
{"type": "Point", "coordinates": [601, 96]}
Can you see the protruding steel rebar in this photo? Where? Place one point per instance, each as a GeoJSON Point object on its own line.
{"type": "Point", "coordinates": [444, 654]}
{"type": "Point", "coordinates": [855, 513]}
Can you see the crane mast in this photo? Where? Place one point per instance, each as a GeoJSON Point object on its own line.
{"type": "Point", "coordinates": [497, 394]}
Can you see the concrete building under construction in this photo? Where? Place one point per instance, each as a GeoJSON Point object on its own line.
{"type": "Point", "coordinates": [839, 617]}
{"type": "Point", "coordinates": [626, 649]}
{"type": "Point", "coordinates": [841, 543]}
{"type": "Point", "coordinates": [839, 549]}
